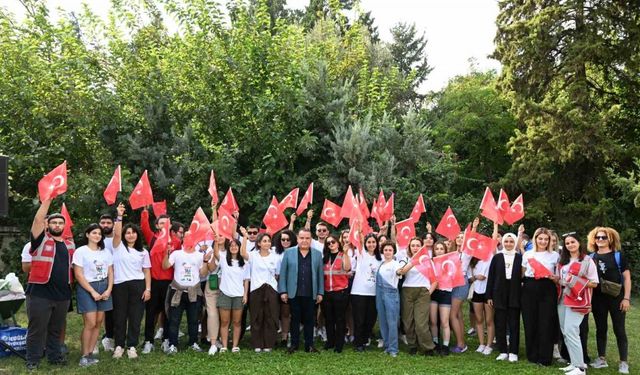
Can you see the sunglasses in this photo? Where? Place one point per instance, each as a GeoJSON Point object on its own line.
{"type": "Point", "coordinates": [568, 234]}
{"type": "Point", "coordinates": [321, 230]}
{"type": "Point", "coordinates": [602, 238]}
{"type": "Point", "coordinates": [252, 232]}
{"type": "Point", "coordinates": [285, 240]}
{"type": "Point", "coordinates": [331, 242]}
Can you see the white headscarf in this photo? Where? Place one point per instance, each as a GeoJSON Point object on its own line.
{"type": "Point", "coordinates": [515, 240]}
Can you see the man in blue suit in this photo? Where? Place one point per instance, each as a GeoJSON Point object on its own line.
{"type": "Point", "coordinates": [301, 283]}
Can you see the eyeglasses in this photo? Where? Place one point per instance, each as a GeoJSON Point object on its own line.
{"type": "Point", "coordinates": [252, 232]}
{"type": "Point", "coordinates": [568, 234]}
{"type": "Point", "coordinates": [602, 238]}
{"type": "Point", "coordinates": [331, 242]}
{"type": "Point", "coordinates": [285, 240]}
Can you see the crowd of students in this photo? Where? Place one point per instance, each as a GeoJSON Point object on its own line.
{"type": "Point", "coordinates": [324, 284]}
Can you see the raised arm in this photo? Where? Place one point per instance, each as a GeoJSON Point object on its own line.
{"type": "Point", "coordinates": [429, 228]}
{"type": "Point", "coordinates": [392, 224]}
{"type": "Point", "coordinates": [519, 239]}
{"type": "Point", "coordinates": [147, 232]}
{"type": "Point", "coordinates": [307, 224]}
{"type": "Point", "coordinates": [495, 231]}
{"type": "Point", "coordinates": [292, 220]}
{"type": "Point", "coordinates": [474, 225]}
{"type": "Point", "coordinates": [243, 247]}
{"type": "Point", "coordinates": [117, 226]}
{"type": "Point", "coordinates": [39, 222]}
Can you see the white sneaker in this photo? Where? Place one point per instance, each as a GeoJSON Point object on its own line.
{"type": "Point", "coordinates": [487, 350]}
{"type": "Point", "coordinates": [480, 349]}
{"type": "Point", "coordinates": [165, 345]}
{"type": "Point", "coordinates": [323, 334]}
{"type": "Point", "coordinates": [257, 350]}
{"type": "Point", "coordinates": [576, 371]}
{"type": "Point", "coordinates": [96, 349]}
{"type": "Point", "coordinates": [118, 352]}
{"type": "Point", "coordinates": [235, 349]}
{"type": "Point", "coordinates": [159, 334]}
{"type": "Point", "coordinates": [213, 350]}
{"type": "Point", "coordinates": [513, 357]}
{"type": "Point", "coordinates": [108, 344]}
{"type": "Point", "coordinates": [502, 357]}
{"type": "Point", "coordinates": [403, 338]}
{"type": "Point", "coordinates": [380, 343]}
{"type": "Point", "coordinates": [471, 331]}
{"type": "Point", "coordinates": [567, 368]}
{"type": "Point", "coordinates": [148, 347]}
{"type": "Point", "coordinates": [196, 348]}
{"type": "Point", "coordinates": [599, 363]}
{"type": "Point", "coordinates": [623, 368]}
{"type": "Point", "coordinates": [199, 328]}
{"type": "Point", "coordinates": [132, 353]}
{"type": "Point", "coordinates": [556, 352]}
{"type": "Point", "coordinates": [266, 350]}
{"type": "Point", "coordinates": [180, 333]}
{"type": "Point", "coordinates": [172, 350]}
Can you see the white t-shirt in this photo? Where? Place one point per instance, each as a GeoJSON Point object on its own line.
{"type": "Point", "coordinates": [415, 279]}
{"type": "Point", "coordinates": [108, 243]}
{"type": "Point", "coordinates": [26, 255]}
{"type": "Point", "coordinates": [232, 277]}
{"type": "Point", "coordinates": [465, 259]}
{"type": "Point", "coordinates": [481, 268]}
{"type": "Point", "coordinates": [549, 259]}
{"type": "Point", "coordinates": [186, 271]}
{"type": "Point", "coordinates": [509, 258]}
{"type": "Point", "coordinates": [592, 270]}
{"type": "Point", "coordinates": [388, 273]}
{"type": "Point", "coordinates": [95, 263]}
{"type": "Point", "coordinates": [264, 269]}
{"type": "Point", "coordinates": [128, 264]}
{"type": "Point", "coordinates": [317, 245]}
{"type": "Point", "coordinates": [364, 281]}
{"type": "Point", "coordinates": [401, 254]}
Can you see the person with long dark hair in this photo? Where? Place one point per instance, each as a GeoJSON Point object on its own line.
{"type": "Point", "coordinates": [363, 291]}
{"type": "Point", "coordinates": [337, 265]}
{"type": "Point", "coordinates": [577, 275]}
{"type": "Point", "coordinates": [539, 300]}
{"type": "Point", "coordinates": [440, 308]}
{"type": "Point", "coordinates": [282, 241]}
{"type": "Point", "coordinates": [388, 298]}
{"type": "Point", "coordinates": [503, 293]}
{"type": "Point", "coordinates": [613, 268]}
{"type": "Point", "coordinates": [93, 269]}
{"type": "Point", "coordinates": [131, 285]}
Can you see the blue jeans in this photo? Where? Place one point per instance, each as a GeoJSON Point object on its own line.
{"type": "Point", "coordinates": [388, 306]}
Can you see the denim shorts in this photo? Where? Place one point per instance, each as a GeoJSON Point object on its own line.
{"type": "Point", "coordinates": [86, 303]}
{"type": "Point", "coordinates": [461, 292]}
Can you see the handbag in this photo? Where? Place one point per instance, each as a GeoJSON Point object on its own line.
{"type": "Point", "coordinates": [610, 288]}
{"type": "Point", "coordinates": [213, 281]}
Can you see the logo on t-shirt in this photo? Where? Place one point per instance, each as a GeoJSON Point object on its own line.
{"type": "Point", "coordinates": [101, 270]}
{"type": "Point", "coordinates": [187, 272]}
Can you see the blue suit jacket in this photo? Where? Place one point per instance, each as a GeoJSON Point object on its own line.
{"type": "Point", "coordinates": [288, 282]}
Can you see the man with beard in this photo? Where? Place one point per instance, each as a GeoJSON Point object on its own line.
{"type": "Point", "coordinates": [49, 288]}
{"type": "Point", "coordinates": [108, 343]}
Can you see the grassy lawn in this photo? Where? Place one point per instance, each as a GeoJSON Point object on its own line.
{"type": "Point", "coordinates": [349, 362]}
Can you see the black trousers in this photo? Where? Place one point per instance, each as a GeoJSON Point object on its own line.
{"type": "Point", "coordinates": [302, 311]}
{"type": "Point", "coordinates": [175, 316]}
{"type": "Point", "coordinates": [47, 319]}
{"type": "Point", "coordinates": [502, 319]}
{"type": "Point", "coordinates": [540, 318]}
{"type": "Point", "coordinates": [603, 305]}
{"type": "Point", "coordinates": [154, 306]}
{"type": "Point", "coordinates": [584, 339]}
{"type": "Point", "coordinates": [334, 307]}
{"type": "Point", "coordinates": [364, 318]}
{"type": "Point", "coordinates": [128, 309]}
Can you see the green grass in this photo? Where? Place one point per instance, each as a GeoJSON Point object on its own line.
{"type": "Point", "coordinates": [349, 362]}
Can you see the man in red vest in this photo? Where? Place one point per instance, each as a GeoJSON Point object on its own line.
{"type": "Point", "coordinates": [49, 288]}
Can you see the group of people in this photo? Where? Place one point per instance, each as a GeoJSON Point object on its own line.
{"type": "Point", "coordinates": [324, 284]}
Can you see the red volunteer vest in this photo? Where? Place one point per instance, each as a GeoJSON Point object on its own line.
{"type": "Point", "coordinates": [335, 278]}
{"type": "Point", "coordinates": [42, 260]}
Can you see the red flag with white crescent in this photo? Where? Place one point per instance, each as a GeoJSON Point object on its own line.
{"type": "Point", "coordinates": [53, 183]}
{"type": "Point", "coordinates": [449, 270]}
{"type": "Point", "coordinates": [274, 219]}
{"type": "Point", "coordinates": [229, 202]}
{"type": "Point", "coordinates": [489, 207]}
{"type": "Point", "coordinates": [225, 223]}
{"type": "Point", "coordinates": [163, 238]}
{"type": "Point", "coordinates": [306, 200]}
{"type": "Point", "coordinates": [159, 208]}
{"type": "Point", "coordinates": [516, 211]}
{"type": "Point", "coordinates": [115, 185]}
{"type": "Point", "coordinates": [348, 204]}
{"type": "Point", "coordinates": [448, 225]}
{"type": "Point", "coordinates": [141, 195]}
{"type": "Point", "coordinates": [405, 231]}
{"type": "Point", "coordinates": [503, 204]}
{"type": "Point", "coordinates": [418, 209]}
{"type": "Point", "coordinates": [539, 270]}
{"type": "Point", "coordinates": [422, 262]}
{"type": "Point", "coordinates": [66, 233]}
{"type": "Point", "coordinates": [478, 245]}
{"type": "Point", "coordinates": [290, 201]}
{"type": "Point", "coordinates": [331, 213]}
{"type": "Point", "coordinates": [213, 189]}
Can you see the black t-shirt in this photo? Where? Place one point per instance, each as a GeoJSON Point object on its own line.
{"type": "Point", "coordinates": [607, 267]}
{"type": "Point", "coordinates": [58, 288]}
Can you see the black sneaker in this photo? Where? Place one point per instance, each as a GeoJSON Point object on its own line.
{"type": "Point", "coordinates": [413, 351]}
{"type": "Point", "coordinates": [60, 361]}
{"type": "Point", "coordinates": [430, 353]}
{"type": "Point", "coordinates": [292, 350]}
{"type": "Point", "coordinates": [283, 343]}
{"type": "Point", "coordinates": [328, 346]}
{"type": "Point", "coordinates": [444, 350]}
{"type": "Point", "coordinates": [359, 349]}
{"type": "Point", "coordinates": [32, 366]}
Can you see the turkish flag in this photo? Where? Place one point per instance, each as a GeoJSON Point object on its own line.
{"type": "Point", "coordinates": [307, 199]}
{"type": "Point", "coordinates": [478, 245]}
{"type": "Point", "coordinates": [199, 226]}
{"type": "Point", "coordinates": [115, 185]}
{"type": "Point", "coordinates": [213, 189]}
{"type": "Point", "coordinates": [418, 209]}
{"type": "Point", "coordinates": [141, 195]}
{"type": "Point", "coordinates": [354, 235]}
{"type": "Point", "coordinates": [405, 231]}
{"type": "Point", "coordinates": [159, 208]}
{"type": "Point", "coordinates": [53, 183]}
{"type": "Point", "coordinates": [448, 270]}
{"type": "Point", "coordinates": [516, 212]}
{"type": "Point", "coordinates": [422, 262]}
{"type": "Point", "coordinates": [290, 201]}
{"type": "Point", "coordinates": [489, 208]}
{"type": "Point", "coordinates": [503, 204]}
{"type": "Point", "coordinates": [66, 233]}
{"type": "Point", "coordinates": [375, 213]}
{"type": "Point", "coordinates": [331, 213]}
{"type": "Point", "coordinates": [388, 210]}
{"type": "Point", "coordinates": [448, 225]}
{"type": "Point", "coordinates": [229, 202]}
{"type": "Point", "coordinates": [539, 270]}
{"type": "Point", "coordinates": [162, 240]}
{"type": "Point", "coordinates": [364, 207]}
{"type": "Point", "coordinates": [225, 223]}
{"type": "Point", "coordinates": [349, 204]}
{"type": "Point", "coordinates": [274, 219]}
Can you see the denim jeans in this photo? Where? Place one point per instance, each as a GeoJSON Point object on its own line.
{"type": "Point", "coordinates": [388, 306]}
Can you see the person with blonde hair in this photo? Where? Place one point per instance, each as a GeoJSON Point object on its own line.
{"type": "Point", "coordinates": [612, 295]}
{"type": "Point", "coordinates": [539, 299]}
